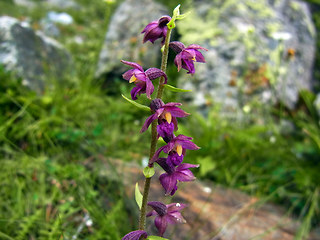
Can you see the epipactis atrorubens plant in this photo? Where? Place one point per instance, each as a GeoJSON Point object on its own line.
{"type": "Point", "coordinates": [163, 123]}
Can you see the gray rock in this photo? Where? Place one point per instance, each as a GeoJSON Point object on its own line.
{"type": "Point", "coordinates": [53, 3]}
{"type": "Point", "coordinates": [34, 57]}
{"type": "Point", "coordinates": [259, 51]}
{"type": "Point", "coordinates": [124, 39]}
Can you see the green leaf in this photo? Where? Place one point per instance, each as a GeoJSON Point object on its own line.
{"type": "Point", "coordinates": [174, 89]}
{"type": "Point", "coordinates": [156, 238]}
{"type": "Point", "coordinates": [138, 196]}
{"type": "Point", "coordinates": [138, 105]}
{"type": "Point", "coordinates": [148, 172]}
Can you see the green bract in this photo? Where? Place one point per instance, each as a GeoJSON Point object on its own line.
{"type": "Point", "coordinates": [138, 105]}
{"type": "Point", "coordinates": [138, 196]}
{"type": "Point", "coordinates": [156, 238]}
{"type": "Point", "coordinates": [175, 89]}
{"type": "Point", "coordinates": [148, 172]}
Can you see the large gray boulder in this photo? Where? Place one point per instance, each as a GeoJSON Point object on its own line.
{"type": "Point", "coordinates": [260, 52]}
{"type": "Point", "coordinates": [34, 57]}
{"type": "Point", "coordinates": [124, 39]}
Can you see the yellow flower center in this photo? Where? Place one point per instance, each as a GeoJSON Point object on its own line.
{"type": "Point", "coordinates": [179, 149]}
{"type": "Point", "coordinates": [194, 58]}
{"type": "Point", "coordinates": [132, 79]}
{"type": "Point", "coordinates": [168, 117]}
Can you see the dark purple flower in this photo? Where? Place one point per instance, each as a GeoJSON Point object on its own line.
{"type": "Point", "coordinates": [169, 180]}
{"type": "Point", "coordinates": [178, 144]}
{"type": "Point", "coordinates": [166, 214]}
{"type": "Point", "coordinates": [186, 56]}
{"type": "Point", "coordinates": [135, 235]}
{"type": "Point", "coordinates": [156, 29]}
{"type": "Point", "coordinates": [142, 79]}
{"type": "Point", "coordinates": [164, 112]}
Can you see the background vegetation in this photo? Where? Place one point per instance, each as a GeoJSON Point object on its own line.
{"type": "Point", "coordinates": [54, 148]}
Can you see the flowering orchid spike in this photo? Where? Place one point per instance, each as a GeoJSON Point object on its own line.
{"type": "Point", "coordinates": [142, 79]}
{"type": "Point", "coordinates": [136, 235]}
{"type": "Point", "coordinates": [186, 56]}
{"type": "Point", "coordinates": [166, 214]}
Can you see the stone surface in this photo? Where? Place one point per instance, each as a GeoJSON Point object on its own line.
{"type": "Point", "coordinates": [124, 39]}
{"type": "Point", "coordinates": [53, 3]}
{"type": "Point", "coordinates": [213, 212]}
{"type": "Point", "coordinates": [259, 51]}
{"type": "Point", "coordinates": [34, 57]}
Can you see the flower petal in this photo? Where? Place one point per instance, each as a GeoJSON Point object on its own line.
{"type": "Point", "coordinates": [135, 91]}
{"type": "Point", "coordinates": [172, 104]}
{"type": "Point", "coordinates": [200, 57]}
{"type": "Point", "coordinates": [136, 235]}
{"type": "Point", "coordinates": [195, 46]}
{"type": "Point", "coordinates": [128, 74]}
{"type": "Point", "coordinates": [161, 225]}
{"type": "Point", "coordinates": [156, 155]}
{"type": "Point", "coordinates": [185, 175]}
{"type": "Point", "coordinates": [176, 112]}
{"type": "Point", "coordinates": [188, 145]}
{"type": "Point", "coordinates": [149, 88]}
{"type": "Point", "coordinates": [169, 183]}
{"type": "Point", "coordinates": [178, 61]}
{"type": "Point", "coordinates": [175, 207]}
{"type": "Point", "coordinates": [150, 26]}
{"type": "Point", "coordinates": [148, 121]}
{"type": "Point", "coordinates": [133, 64]}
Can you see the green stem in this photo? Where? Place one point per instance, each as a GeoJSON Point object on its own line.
{"type": "Point", "coordinates": [154, 134]}
{"type": "Point", "coordinates": [164, 63]}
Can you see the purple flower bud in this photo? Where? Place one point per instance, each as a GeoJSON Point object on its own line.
{"type": "Point", "coordinates": [156, 29]}
{"type": "Point", "coordinates": [186, 56]}
{"type": "Point", "coordinates": [135, 235]}
{"type": "Point", "coordinates": [166, 214]}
